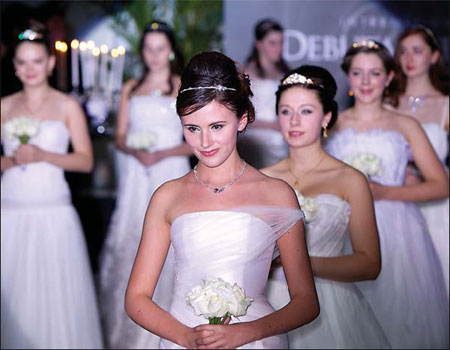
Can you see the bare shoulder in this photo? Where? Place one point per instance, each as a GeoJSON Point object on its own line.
{"type": "Point", "coordinates": [346, 179]}
{"type": "Point", "coordinates": [279, 192]}
{"type": "Point", "coordinates": [251, 70]}
{"type": "Point", "coordinates": [275, 170]}
{"type": "Point", "coordinates": [7, 102]}
{"type": "Point", "coordinates": [344, 118]}
{"type": "Point", "coordinates": [406, 124]}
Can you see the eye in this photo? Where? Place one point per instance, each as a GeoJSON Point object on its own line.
{"type": "Point", "coordinates": [306, 111]}
{"type": "Point", "coordinates": [354, 73]}
{"type": "Point", "coordinates": [377, 74]}
{"type": "Point", "coordinates": [217, 126]}
{"type": "Point", "coordinates": [193, 128]}
{"type": "Point", "coordinates": [417, 50]}
{"type": "Point", "coordinates": [285, 112]}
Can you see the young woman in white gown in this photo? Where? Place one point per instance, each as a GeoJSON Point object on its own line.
{"type": "Point", "coordinates": [336, 200]}
{"type": "Point", "coordinates": [147, 108]}
{"type": "Point", "coordinates": [48, 298]}
{"type": "Point", "coordinates": [408, 297]}
{"type": "Point", "coordinates": [421, 84]}
{"type": "Point", "coordinates": [262, 143]}
{"type": "Point", "coordinates": [223, 220]}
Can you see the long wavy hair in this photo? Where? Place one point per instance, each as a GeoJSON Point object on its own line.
{"type": "Point", "coordinates": [176, 64]}
{"type": "Point", "coordinates": [263, 28]}
{"type": "Point", "coordinates": [438, 72]}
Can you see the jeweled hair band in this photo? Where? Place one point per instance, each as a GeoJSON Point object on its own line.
{"type": "Point", "coordinates": [369, 43]}
{"type": "Point", "coordinates": [29, 34]}
{"type": "Point", "coordinates": [296, 78]}
{"type": "Point", "coordinates": [214, 87]}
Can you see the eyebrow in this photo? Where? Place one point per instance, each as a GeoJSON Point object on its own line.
{"type": "Point", "coordinates": [302, 105]}
{"type": "Point", "coordinates": [221, 121]}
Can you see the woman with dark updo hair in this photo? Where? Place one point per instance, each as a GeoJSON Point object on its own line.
{"type": "Point", "coordinates": [149, 134]}
{"type": "Point", "coordinates": [408, 297]}
{"type": "Point", "coordinates": [262, 144]}
{"type": "Point", "coordinates": [223, 220]}
{"type": "Point", "coordinates": [334, 197]}
{"type": "Point", "coordinates": [48, 297]}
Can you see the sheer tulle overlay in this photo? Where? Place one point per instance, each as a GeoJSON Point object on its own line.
{"type": "Point", "coordinates": [346, 320]}
{"type": "Point", "coordinates": [436, 213]}
{"type": "Point", "coordinates": [236, 245]}
{"type": "Point", "coordinates": [47, 291]}
{"type": "Point", "coordinates": [155, 114]}
{"type": "Point", "coordinates": [408, 297]}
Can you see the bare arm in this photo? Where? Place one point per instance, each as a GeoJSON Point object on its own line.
{"type": "Point", "coordinates": [435, 179]}
{"type": "Point", "coordinates": [147, 267]}
{"type": "Point", "coordinates": [365, 262]}
{"type": "Point", "coordinates": [6, 162]}
{"type": "Point", "coordinates": [123, 118]}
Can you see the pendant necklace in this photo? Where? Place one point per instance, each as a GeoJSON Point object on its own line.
{"type": "Point", "coordinates": [297, 182]}
{"type": "Point", "coordinates": [41, 105]}
{"type": "Point", "coordinates": [415, 102]}
{"type": "Point", "coordinates": [218, 190]}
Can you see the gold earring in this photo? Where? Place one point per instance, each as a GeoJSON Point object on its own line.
{"type": "Point", "coordinates": [325, 131]}
{"type": "Point", "coordinates": [350, 93]}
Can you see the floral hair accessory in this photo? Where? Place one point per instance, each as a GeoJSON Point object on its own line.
{"type": "Point", "coordinates": [369, 43]}
{"type": "Point", "coordinates": [296, 78]}
{"type": "Point", "coordinates": [29, 34]}
{"type": "Point", "coordinates": [214, 87]}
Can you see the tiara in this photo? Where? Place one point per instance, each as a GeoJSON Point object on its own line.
{"type": "Point", "coordinates": [429, 33]}
{"type": "Point", "coordinates": [296, 78]}
{"type": "Point", "coordinates": [215, 87]}
{"type": "Point", "coordinates": [369, 43]}
{"type": "Point", "coordinates": [29, 34]}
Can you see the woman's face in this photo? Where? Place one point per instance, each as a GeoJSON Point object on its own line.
{"type": "Point", "coordinates": [156, 50]}
{"type": "Point", "coordinates": [271, 46]}
{"type": "Point", "coordinates": [33, 64]}
{"type": "Point", "coordinates": [367, 77]}
{"type": "Point", "coordinates": [415, 56]}
{"type": "Point", "coordinates": [301, 116]}
{"type": "Point", "coordinates": [211, 132]}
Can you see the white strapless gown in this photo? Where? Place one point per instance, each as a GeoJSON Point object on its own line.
{"type": "Point", "coordinates": [263, 147]}
{"type": "Point", "coordinates": [236, 245]}
{"type": "Point", "coordinates": [346, 320]}
{"type": "Point", "coordinates": [436, 213]}
{"type": "Point", "coordinates": [408, 297]}
{"type": "Point", "coordinates": [147, 113]}
{"type": "Point", "coordinates": [48, 298]}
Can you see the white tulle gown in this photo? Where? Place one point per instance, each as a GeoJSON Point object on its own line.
{"type": "Point", "coordinates": [48, 298]}
{"type": "Point", "coordinates": [436, 213]}
{"type": "Point", "coordinates": [346, 320]}
{"type": "Point", "coordinates": [236, 245]}
{"type": "Point", "coordinates": [258, 146]}
{"type": "Point", "coordinates": [408, 297]}
{"type": "Point", "coordinates": [154, 114]}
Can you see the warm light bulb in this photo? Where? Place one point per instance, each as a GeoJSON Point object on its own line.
{"type": "Point", "coordinates": [58, 45]}
{"type": "Point", "coordinates": [96, 51]}
{"type": "Point", "coordinates": [104, 49]}
{"type": "Point", "coordinates": [74, 44]}
{"type": "Point", "coordinates": [63, 46]}
{"type": "Point", "coordinates": [83, 46]}
{"type": "Point", "coordinates": [114, 53]}
{"type": "Point", "coordinates": [90, 44]}
{"type": "Point", "coordinates": [121, 50]}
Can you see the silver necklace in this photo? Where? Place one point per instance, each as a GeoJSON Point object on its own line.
{"type": "Point", "coordinates": [218, 190]}
{"type": "Point", "coordinates": [415, 102]}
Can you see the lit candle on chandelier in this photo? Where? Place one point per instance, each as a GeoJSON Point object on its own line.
{"type": "Point", "coordinates": [75, 72]}
{"type": "Point", "coordinates": [103, 67]}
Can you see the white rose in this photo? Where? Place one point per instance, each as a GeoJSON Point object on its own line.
{"type": "Point", "coordinates": [308, 205]}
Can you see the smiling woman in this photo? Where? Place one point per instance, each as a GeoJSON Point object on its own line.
{"type": "Point", "coordinates": [223, 221]}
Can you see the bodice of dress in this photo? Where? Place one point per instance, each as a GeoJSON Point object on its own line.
{"type": "Point", "coordinates": [264, 98]}
{"type": "Point", "coordinates": [438, 139]}
{"type": "Point", "coordinates": [326, 233]}
{"type": "Point", "coordinates": [389, 146]}
{"type": "Point", "coordinates": [156, 114]}
{"type": "Point", "coordinates": [38, 182]}
{"type": "Point", "coordinates": [236, 246]}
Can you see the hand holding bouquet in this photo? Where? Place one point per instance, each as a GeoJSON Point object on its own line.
{"type": "Point", "coordinates": [367, 163]}
{"type": "Point", "coordinates": [141, 141]}
{"type": "Point", "coordinates": [218, 300]}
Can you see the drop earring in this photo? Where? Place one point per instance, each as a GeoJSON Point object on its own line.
{"type": "Point", "coordinates": [350, 93]}
{"type": "Point", "coordinates": [325, 131]}
{"type": "Point", "coordinates": [171, 56]}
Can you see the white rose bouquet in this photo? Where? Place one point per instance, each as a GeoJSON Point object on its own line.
{"type": "Point", "coordinates": [141, 140]}
{"type": "Point", "coordinates": [217, 300]}
{"type": "Point", "coordinates": [308, 205]}
{"type": "Point", "coordinates": [22, 127]}
{"type": "Point", "coordinates": [368, 163]}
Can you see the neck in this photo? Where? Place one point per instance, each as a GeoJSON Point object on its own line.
{"type": "Point", "coordinates": [36, 92]}
{"type": "Point", "coordinates": [223, 173]}
{"type": "Point", "coordinates": [159, 77]}
{"type": "Point", "coordinates": [368, 111]}
{"type": "Point", "coordinates": [303, 160]}
{"type": "Point", "coordinates": [268, 66]}
{"type": "Point", "coordinates": [419, 86]}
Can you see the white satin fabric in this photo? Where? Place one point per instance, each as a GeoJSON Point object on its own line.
{"type": "Point", "coordinates": [47, 290]}
{"type": "Point", "coordinates": [136, 186]}
{"type": "Point", "coordinates": [236, 245]}
{"type": "Point", "coordinates": [408, 297]}
{"type": "Point", "coordinates": [346, 320]}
